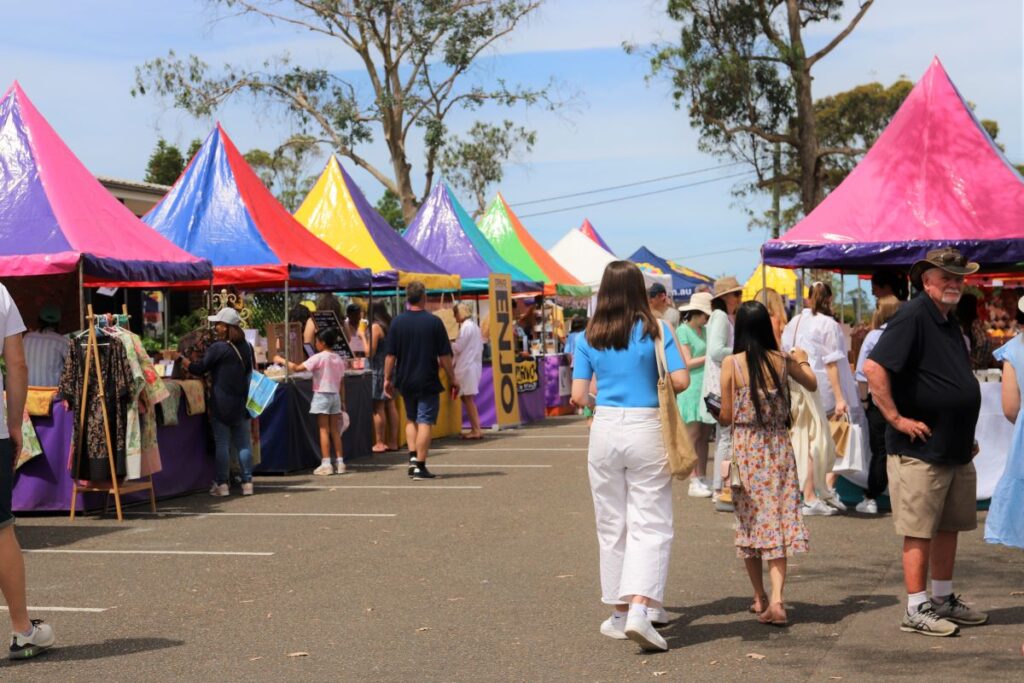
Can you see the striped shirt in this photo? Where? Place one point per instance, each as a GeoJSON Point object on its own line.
{"type": "Point", "coordinates": [45, 353]}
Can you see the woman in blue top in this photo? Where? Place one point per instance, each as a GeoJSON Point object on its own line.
{"type": "Point", "coordinates": [627, 463]}
{"type": "Point", "coordinates": [1005, 523]}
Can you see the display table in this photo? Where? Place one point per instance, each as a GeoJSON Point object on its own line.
{"type": "Point", "coordinates": [532, 404]}
{"type": "Point", "coordinates": [44, 484]}
{"type": "Point", "coordinates": [290, 436]}
{"type": "Point", "coordinates": [994, 434]}
{"type": "Point", "coordinates": [557, 384]}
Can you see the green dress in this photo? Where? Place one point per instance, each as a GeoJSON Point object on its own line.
{"type": "Point", "coordinates": [689, 400]}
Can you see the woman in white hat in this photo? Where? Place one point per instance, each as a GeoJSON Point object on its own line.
{"type": "Point", "coordinates": [230, 361]}
{"type": "Point", "coordinates": [693, 344]}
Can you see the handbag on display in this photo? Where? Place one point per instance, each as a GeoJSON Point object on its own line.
{"type": "Point", "coordinates": [840, 428]}
{"type": "Point", "coordinates": [682, 457]}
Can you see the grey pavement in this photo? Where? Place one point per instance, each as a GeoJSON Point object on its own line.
{"type": "Point", "coordinates": [488, 573]}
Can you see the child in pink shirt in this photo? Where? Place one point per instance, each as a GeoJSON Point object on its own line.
{"type": "Point", "coordinates": [328, 370]}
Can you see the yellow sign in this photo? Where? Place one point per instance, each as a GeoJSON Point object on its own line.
{"type": "Point", "coordinates": [503, 352]}
{"type": "Point", "coordinates": [527, 378]}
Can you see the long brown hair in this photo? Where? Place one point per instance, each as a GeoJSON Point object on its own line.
{"type": "Point", "coordinates": [621, 303]}
{"type": "Point", "coordinates": [821, 299]}
{"type": "Point", "coordinates": [888, 306]}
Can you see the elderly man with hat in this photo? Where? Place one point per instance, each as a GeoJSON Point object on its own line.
{"type": "Point", "coordinates": [46, 349]}
{"type": "Point", "coordinates": [728, 295]}
{"type": "Point", "coordinates": [921, 380]}
{"type": "Point", "coordinates": [662, 306]}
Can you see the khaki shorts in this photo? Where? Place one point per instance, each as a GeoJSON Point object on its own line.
{"type": "Point", "coordinates": [927, 498]}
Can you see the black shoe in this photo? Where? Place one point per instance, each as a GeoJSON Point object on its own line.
{"type": "Point", "coordinates": [420, 472]}
{"type": "Point", "coordinates": [412, 463]}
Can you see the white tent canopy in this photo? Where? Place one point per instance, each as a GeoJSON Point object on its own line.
{"type": "Point", "coordinates": [586, 260]}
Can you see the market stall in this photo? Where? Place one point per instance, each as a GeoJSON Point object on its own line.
{"type": "Point", "coordinates": [586, 260]}
{"type": "Point", "coordinates": [64, 233]}
{"type": "Point", "coordinates": [683, 284]}
{"type": "Point", "coordinates": [933, 178]}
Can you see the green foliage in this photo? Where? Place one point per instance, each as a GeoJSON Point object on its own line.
{"type": "Point", "coordinates": [165, 164]}
{"type": "Point", "coordinates": [286, 170]}
{"type": "Point", "coordinates": [418, 56]}
{"type": "Point", "coordinates": [476, 162]}
{"type": "Point", "coordinates": [390, 208]}
{"type": "Point", "coordinates": [195, 320]}
{"type": "Point", "coordinates": [266, 308]}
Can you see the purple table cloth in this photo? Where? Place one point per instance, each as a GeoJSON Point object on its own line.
{"type": "Point", "coordinates": [532, 406]}
{"type": "Point", "coordinates": [552, 368]}
{"type": "Point", "coordinates": [43, 484]}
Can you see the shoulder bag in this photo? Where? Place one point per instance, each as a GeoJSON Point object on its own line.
{"type": "Point", "coordinates": [681, 456]}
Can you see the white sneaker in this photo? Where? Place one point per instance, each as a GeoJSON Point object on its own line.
{"type": "Point", "coordinates": [832, 498]}
{"type": "Point", "coordinates": [339, 467]}
{"type": "Point", "coordinates": [246, 488]}
{"type": "Point", "coordinates": [867, 507]}
{"type": "Point", "coordinates": [324, 470]}
{"type": "Point", "coordinates": [641, 631]}
{"type": "Point", "coordinates": [614, 628]}
{"type": "Point", "coordinates": [657, 616]}
{"type": "Point", "coordinates": [219, 490]}
{"type": "Point", "coordinates": [698, 489]}
{"type": "Point", "coordinates": [41, 638]}
{"type": "Point", "coordinates": [818, 509]}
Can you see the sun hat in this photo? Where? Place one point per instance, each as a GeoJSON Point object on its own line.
{"type": "Point", "coordinates": [727, 285]}
{"type": "Point", "coordinates": [947, 259]}
{"type": "Point", "coordinates": [701, 301]}
{"type": "Point", "coordinates": [228, 316]}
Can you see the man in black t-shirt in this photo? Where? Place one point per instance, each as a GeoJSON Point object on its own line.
{"type": "Point", "coordinates": [417, 343]}
{"type": "Point", "coordinates": [921, 380]}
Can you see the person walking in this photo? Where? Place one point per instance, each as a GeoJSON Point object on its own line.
{"type": "Point", "coordinates": [693, 344]}
{"type": "Point", "coordinates": [416, 345]}
{"type": "Point", "coordinates": [727, 298]}
{"type": "Point", "coordinates": [878, 479]}
{"type": "Point", "coordinates": [1005, 523]}
{"type": "Point", "coordinates": [29, 637]}
{"type": "Point", "coordinates": [817, 331]}
{"type": "Point", "coordinates": [661, 305]}
{"type": "Point", "coordinates": [229, 361]}
{"type": "Point", "coordinates": [920, 377]}
{"type": "Point", "coordinates": [766, 489]}
{"type": "Point", "coordinates": [328, 403]}
{"type": "Point", "coordinates": [385, 414]}
{"type": "Point", "coordinates": [627, 463]}
{"type": "Point", "coordinates": [46, 349]}
{"type": "Point", "coordinates": [469, 354]}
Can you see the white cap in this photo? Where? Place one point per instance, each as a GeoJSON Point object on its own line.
{"type": "Point", "coordinates": [228, 316]}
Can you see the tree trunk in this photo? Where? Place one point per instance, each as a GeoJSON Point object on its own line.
{"type": "Point", "coordinates": [806, 128]}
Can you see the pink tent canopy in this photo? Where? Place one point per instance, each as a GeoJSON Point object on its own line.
{"type": "Point", "coordinates": [54, 215]}
{"type": "Point", "coordinates": [933, 178]}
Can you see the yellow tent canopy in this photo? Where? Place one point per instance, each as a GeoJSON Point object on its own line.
{"type": "Point", "coordinates": [781, 280]}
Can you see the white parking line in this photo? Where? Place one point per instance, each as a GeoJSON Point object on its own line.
{"type": "Point", "coordinates": [91, 610]}
{"type": "Point", "coordinates": [71, 551]}
{"type": "Point", "coordinates": [262, 514]}
{"type": "Point", "coordinates": [435, 465]}
{"type": "Point", "coordinates": [408, 487]}
{"type": "Point", "coordinates": [580, 449]}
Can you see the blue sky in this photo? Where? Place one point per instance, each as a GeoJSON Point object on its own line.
{"type": "Point", "coordinates": [77, 60]}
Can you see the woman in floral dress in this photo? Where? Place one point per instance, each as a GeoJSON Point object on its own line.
{"type": "Point", "coordinates": [766, 493]}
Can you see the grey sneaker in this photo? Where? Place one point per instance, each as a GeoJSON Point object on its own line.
{"type": "Point", "coordinates": [26, 647]}
{"type": "Point", "coordinates": [928, 623]}
{"type": "Point", "coordinates": [954, 609]}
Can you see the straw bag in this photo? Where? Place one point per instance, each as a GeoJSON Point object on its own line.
{"type": "Point", "coordinates": [681, 456]}
{"type": "Point", "coordinates": [447, 316]}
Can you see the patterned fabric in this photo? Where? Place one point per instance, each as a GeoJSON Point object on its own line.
{"type": "Point", "coordinates": [39, 401]}
{"type": "Point", "coordinates": [195, 396]}
{"type": "Point", "coordinates": [770, 525]}
{"type": "Point", "coordinates": [168, 413]}
{"type": "Point", "coordinates": [88, 457]}
{"type": "Point", "coordinates": [30, 446]}
{"type": "Point", "coordinates": [690, 400]}
{"type": "Point", "coordinates": [142, 453]}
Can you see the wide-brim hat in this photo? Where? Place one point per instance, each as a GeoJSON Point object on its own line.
{"type": "Point", "coordinates": [726, 285]}
{"type": "Point", "coordinates": [228, 316]}
{"type": "Point", "coordinates": [947, 259]}
{"type": "Point", "coordinates": [701, 301]}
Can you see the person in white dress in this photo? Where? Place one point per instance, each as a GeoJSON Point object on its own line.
{"type": "Point", "coordinates": [818, 332]}
{"type": "Point", "coordinates": [469, 351]}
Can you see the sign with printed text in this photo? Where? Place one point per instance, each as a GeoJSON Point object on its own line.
{"type": "Point", "coordinates": [527, 378]}
{"type": "Point", "coordinates": [503, 351]}
{"type": "Point", "coordinates": [326, 319]}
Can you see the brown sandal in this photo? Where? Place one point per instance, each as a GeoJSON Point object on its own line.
{"type": "Point", "coordinates": [760, 604]}
{"type": "Point", "coordinates": [775, 615]}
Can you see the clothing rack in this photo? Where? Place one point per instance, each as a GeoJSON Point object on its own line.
{"type": "Point", "coordinates": [92, 361]}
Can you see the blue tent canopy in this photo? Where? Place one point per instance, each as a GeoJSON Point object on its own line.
{"type": "Point", "coordinates": [683, 286]}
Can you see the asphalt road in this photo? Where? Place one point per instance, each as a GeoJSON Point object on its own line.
{"type": "Point", "coordinates": [487, 573]}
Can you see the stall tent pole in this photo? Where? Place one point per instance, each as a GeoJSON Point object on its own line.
{"type": "Point", "coordinates": [164, 303]}
{"type": "Point", "coordinates": [81, 296]}
{"type": "Point", "coordinates": [287, 334]}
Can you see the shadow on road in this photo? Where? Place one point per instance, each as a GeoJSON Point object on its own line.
{"type": "Point", "coordinates": [47, 536]}
{"type": "Point", "coordinates": [108, 648]}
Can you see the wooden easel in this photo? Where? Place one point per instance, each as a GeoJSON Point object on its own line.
{"type": "Point", "coordinates": [92, 360]}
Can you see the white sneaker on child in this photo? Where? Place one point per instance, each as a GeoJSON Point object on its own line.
{"type": "Point", "coordinates": [339, 467]}
{"type": "Point", "coordinates": [324, 470]}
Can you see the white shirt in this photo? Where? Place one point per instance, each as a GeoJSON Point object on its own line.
{"type": "Point", "coordinates": [45, 353]}
{"type": "Point", "coordinates": [468, 348]}
{"type": "Point", "coordinates": [865, 350]}
{"type": "Point", "coordinates": [822, 339]}
{"type": "Point", "coordinates": [10, 325]}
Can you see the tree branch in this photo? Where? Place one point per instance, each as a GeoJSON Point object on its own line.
{"type": "Point", "coordinates": [844, 151]}
{"type": "Point", "coordinates": [842, 35]}
{"type": "Point", "coordinates": [756, 131]}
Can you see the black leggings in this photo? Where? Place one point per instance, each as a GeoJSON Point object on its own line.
{"type": "Point", "coordinates": [878, 477]}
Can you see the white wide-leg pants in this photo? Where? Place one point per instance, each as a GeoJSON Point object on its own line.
{"type": "Point", "coordinates": [632, 489]}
